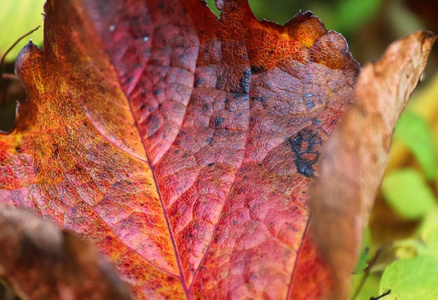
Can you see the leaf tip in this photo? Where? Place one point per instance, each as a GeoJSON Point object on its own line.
{"type": "Point", "coordinates": [429, 39]}
{"type": "Point", "coordinates": [24, 58]}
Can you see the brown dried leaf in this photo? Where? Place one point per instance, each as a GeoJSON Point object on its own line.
{"type": "Point", "coordinates": [41, 261]}
{"type": "Point", "coordinates": [355, 156]}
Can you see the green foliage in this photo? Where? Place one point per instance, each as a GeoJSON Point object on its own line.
{"type": "Point", "coordinates": [363, 261]}
{"type": "Point", "coordinates": [411, 279]}
{"type": "Point", "coordinates": [370, 287]}
{"type": "Point", "coordinates": [345, 16]}
{"type": "Point", "coordinates": [408, 194]}
{"type": "Point", "coordinates": [354, 14]}
{"type": "Point", "coordinates": [26, 13]}
{"type": "Point", "coordinates": [210, 3]}
{"type": "Point", "coordinates": [429, 233]}
{"type": "Point", "coordinates": [415, 133]}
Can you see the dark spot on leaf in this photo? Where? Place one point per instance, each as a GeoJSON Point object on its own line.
{"type": "Point", "coordinates": [143, 106]}
{"type": "Point", "coordinates": [316, 121]}
{"type": "Point", "coordinates": [257, 69]}
{"type": "Point", "coordinates": [310, 105]}
{"type": "Point", "coordinates": [240, 96]}
{"type": "Point", "coordinates": [259, 98]}
{"type": "Point", "coordinates": [210, 164]}
{"type": "Point", "coordinates": [244, 82]}
{"type": "Point", "coordinates": [218, 121]}
{"type": "Point", "coordinates": [306, 155]}
{"type": "Point", "coordinates": [18, 149]}
{"type": "Point", "coordinates": [56, 151]}
{"type": "Point", "coordinates": [199, 81]}
{"type": "Point", "coordinates": [157, 92]}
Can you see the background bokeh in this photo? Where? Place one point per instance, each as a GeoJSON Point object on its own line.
{"type": "Point", "coordinates": [401, 248]}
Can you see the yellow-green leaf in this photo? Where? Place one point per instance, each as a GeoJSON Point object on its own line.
{"type": "Point", "coordinates": [411, 279]}
{"type": "Point", "coordinates": [408, 194]}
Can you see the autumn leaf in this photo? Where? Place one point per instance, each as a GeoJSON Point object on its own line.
{"type": "Point", "coordinates": [186, 152]}
{"type": "Point", "coordinates": [182, 145]}
{"type": "Point", "coordinates": [51, 263]}
{"type": "Point", "coordinates": [354, 159]}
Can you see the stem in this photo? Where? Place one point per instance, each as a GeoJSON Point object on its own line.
{"type": "Point", "coordinates": [381, 296]}
{"type": "Point", "coordinates": [367, 273]}
{"type": "Point", "coordinates": [9, 76]}
{"type": "Point", "coordinates": [15, 44]}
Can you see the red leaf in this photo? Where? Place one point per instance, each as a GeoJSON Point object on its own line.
{"type": "Point", "coordinates": [181, 144]}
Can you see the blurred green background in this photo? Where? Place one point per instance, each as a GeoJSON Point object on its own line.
{"type": "Point", "coordinates": [400, 252]}
{"type": "Point", "coordinates": [17, 17]}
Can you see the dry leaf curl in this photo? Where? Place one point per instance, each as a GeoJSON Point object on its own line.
{"type": "Point", "coordinates": [354, 159]}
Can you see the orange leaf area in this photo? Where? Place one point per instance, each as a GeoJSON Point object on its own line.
{"type": "Point", "coordinates": [181, 144]}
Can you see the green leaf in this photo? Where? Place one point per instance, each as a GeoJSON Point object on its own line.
{"type": "Point", "coordinates": [429, 233]}
{"type": "Point", "coordinates": [431, 240]}
{"type": "Point", "coordinates": [416, 134]}
{"type": "Point", "coordinates": [212, 6]}
{"type": "Point", "coordinates": [365, 257]}
{"type": "Point", "coordinates": [363, 261]}
{"type": "Point", "coordinates": [408, 194]}
{"type": "Point", "coordinates": [411, 279]}
{"type": "Point", "coordinates": [16, 18]}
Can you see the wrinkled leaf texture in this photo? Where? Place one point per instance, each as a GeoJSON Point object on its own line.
{"type": "Point", "coordinates": [183, 145]}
